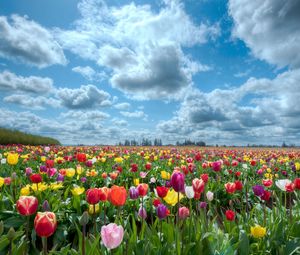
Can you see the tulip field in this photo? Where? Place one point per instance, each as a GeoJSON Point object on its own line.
{"type": "Point", "coordinates": [149, 200]}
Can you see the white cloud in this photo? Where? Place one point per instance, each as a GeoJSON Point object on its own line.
{"type": "Point", "coordinates": [141, 47]}
{"type": "Point", "coordinates": [135, 114]}
{"type": "Point", "coordinates": [226, 118]}
{"type": "Point", "coordinates": [33, 84]}
{"type": "Point", "coordinates": [93, 115]}
{"type": "Point", "coordinates": [26, 40]}
{"type": "Point", "coordinates": [36, 103]}
{"type": "Point", "coordinates": [87, 96]}
{"type": "Point", "coordinates": [122, 106]}
{"type": "Point", "coordinates": [269, 28]}
{"type": "Point", "coordinates": [89, 73]}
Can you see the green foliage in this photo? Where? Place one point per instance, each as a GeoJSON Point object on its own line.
{"type": "Point", "coordinates": [17, 137]}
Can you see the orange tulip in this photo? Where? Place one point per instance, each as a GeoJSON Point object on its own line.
{"type": "Point", "coordinates": [117, 195]}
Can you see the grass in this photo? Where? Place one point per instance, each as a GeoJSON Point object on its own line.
{"type": "Point", "coordinates": [8, 136]}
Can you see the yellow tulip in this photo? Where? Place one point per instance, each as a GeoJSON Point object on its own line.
{"type": "Point", "coordinates": [103, 160]}
{"type": "Point", "coordinates": [25, 191]}
{"type": "Point", "coordinates": [1, 181]}
{"type": "Point", "coordinates": [258, 231]}
{"type": "Point", "coordinates": [70, 172]}
{"type": "Point", "coordinates": [91, 208]}
{"type": "Point", "coordinates": [297, 166]}
{"type": "Point", "coordinates": [12, 158]}
{"type": "Point", "coordinates": [77, 191]}
{"type": "Point", "coordinates": [165, 175]}
{"type": "Point", "coordinates": [79, 169]}
{"type": "Point", "coordinates": [118, 160]}
{"type": "Point", "coordinates": [172, 197]}
{"type": "Point", "coordinates": [41, 187]}
{"type": "Point", "coordinates": [136, 181]}
{"type": "Point", "coordinates": [43, 158]}
{"type": "Point", "coordinates": [55, 186]}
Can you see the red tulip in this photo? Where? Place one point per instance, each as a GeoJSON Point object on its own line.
{"type": "Point", "coordinates": [290, 187]}
{"type": "Point", "coordinates": [27, 205]}
{"type": "Point", "coordinates": [198, 185]}
{"type": "Point", "coordinates": [204, 177]}
{"type": "Point", "coordinates": [45, 224]}
{"type": "Point", "coordinates": [156, 202]}
{"type": "Point", "coordinates": [117, 195]}
{"type": "Point", "coordinates": [267, 183]}
{"type": "Point", "coordinates": [230, 215]}
{"type": "Point", "coordinates": [81, 157]}
{"type": "Point", "coordinates": [162, 191]}
{"type": "Point", "coordinates": [36, 178]}
{"type": "Point", "coordinates": [142, 189]}
{"type": "Point", "coordinates": [266, 196]}
{"type": "Point", "coordinates": [238, 185]}
{"type": "Point", "coordinates": [230, 187]}
{"type": "Point", "coordinates": [297, 183]}
{"type": "Point", "coordinates": [49, 163]}
{"type": "Point", "coordinates": [104, 193]}
{"type": "Point", "coordinates": [93, 196]}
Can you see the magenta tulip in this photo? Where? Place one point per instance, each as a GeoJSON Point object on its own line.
{"type": "Point", "coordinates": [177, 181]}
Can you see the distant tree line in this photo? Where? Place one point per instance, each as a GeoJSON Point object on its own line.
{"type": "Point", "coordinates": [158, 142]}
{"type": "Point", "coordinates": [8, 136]}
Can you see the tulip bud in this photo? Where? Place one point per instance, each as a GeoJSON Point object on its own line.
{"type": "Point", "coordinates": [11, 234]}
{"type": "Point", "coordinates": [46, 206]}
{"type": "Point", "coordinates": [1, 228]}
{"type": "Point", "coordinates": [142, 213]}
{"type": "Point", "coordinates": [84, 219]}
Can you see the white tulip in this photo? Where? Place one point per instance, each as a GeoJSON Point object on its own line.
{"type": "Point", "coordinates": [189, 192]}
{"type": "Point", "coordinates": [209, 196]}
{"type": "Point", "coordinates": [282, 183]}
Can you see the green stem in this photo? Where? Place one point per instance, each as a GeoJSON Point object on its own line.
{"type": "Point", "coordinates": [44, 241]}
{"type": "Point", "coordinates": [27, 227]}
{"type": "Point", "coordinates": [83, 239]}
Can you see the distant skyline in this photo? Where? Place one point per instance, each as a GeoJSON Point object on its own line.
{"type": "Point", "coordinates": [100, 72]}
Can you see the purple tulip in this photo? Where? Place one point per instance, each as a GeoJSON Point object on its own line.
{"type": "Point", "coordinates": [217, 166]}
{"type": "Point", "coordinates": [258, 190]}
{"type": "Point", "coordinates": [83, 179]}
{"type": "Point", "coordinates": [161, 211]}
{"type": "Point", "coordinates": [133, 193]}
{"type": "Point", "coordinates": [60, 178]}
{"type": "Point", "coordinates": [28, 171]}
{"type": "Point", "coordinates": [142, 212]}
{"type": "Point", "coordinates": [177, 181]}
{"type": "Point", "coordinates": [203, 205]}
{"type": "Point", "coordinates": [43, 169]}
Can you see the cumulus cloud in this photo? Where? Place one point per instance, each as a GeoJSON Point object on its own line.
{"type": "Point", "coordinates": [269, 28]}
{"type": "Point", "coordinates": [122, 106]}
{"type": "Point", "coordinates": [89, 73]}
{"type": "Point", "coordinates": [135, 114]}
{"type": "Point", "coordinates": [34, 103]}
{"type": "Point", "coordinates": [85, 115]}
{"type": "Point", "coordinates": [29, 42]}
{"type": "Point", "coordinates": [139, 46]}
{"type": "Point", "coordinates": [269, 117]}
{"type": "Point", "coordinates": [87, 96]}
{"type": "Point", "coordinates": [32, 84]}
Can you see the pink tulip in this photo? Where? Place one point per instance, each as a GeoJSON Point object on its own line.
{"type": "Point", "coordinates": [112, 235]}
{"type": "Point", "coordinates": [184, 212]}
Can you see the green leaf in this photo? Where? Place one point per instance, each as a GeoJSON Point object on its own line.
{"type": "Point", "coordinates": [244, 247]}
{"type": "Point", "coordinates": [4, 242]}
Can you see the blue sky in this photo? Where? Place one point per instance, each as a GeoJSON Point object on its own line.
{"type": "Point", "coordinates": [96, 71]}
